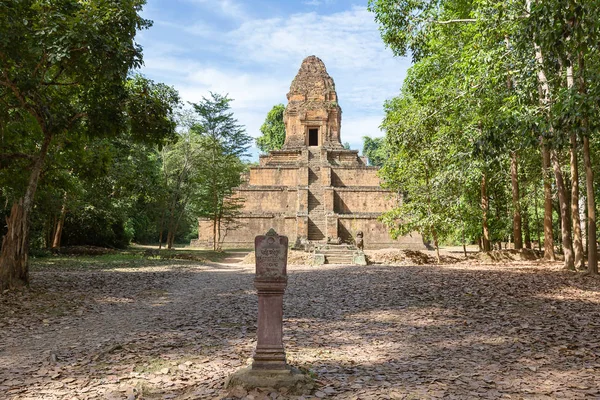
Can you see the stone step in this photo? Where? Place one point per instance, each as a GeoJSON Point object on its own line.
{"type": "Point", "coordinates": [337, 247]}
{"type": "Point", "coordinates": [337, 252]}
{"type": "Point", "coordinates": [338, 259]}
{"type": "Point", "coordinates": [315, 229]}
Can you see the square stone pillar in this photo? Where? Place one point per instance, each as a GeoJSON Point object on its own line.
{"type": "Point", "coordinates": [302, 200]}
{"type": "Point", "coordinates": [303, 176]}
{"type": "Point", "coordinates": [302, 226]}
{"type": "Point", "coordinates": [325, 176]}
{"type": "Point", "coordinates": [332, 226]}
{"type": "Point", "coordinates": [328, 194]}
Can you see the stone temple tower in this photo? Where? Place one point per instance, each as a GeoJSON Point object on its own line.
{"type": "Point", "coordinates": [312, 188]}
{"type": "Point", "coordinates": [313, 116]}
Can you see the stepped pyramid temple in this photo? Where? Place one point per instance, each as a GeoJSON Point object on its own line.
{"type": "Point", "coordinates": [312, 188]}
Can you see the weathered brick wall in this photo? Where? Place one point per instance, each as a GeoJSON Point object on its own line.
{"type": "Point", "coordinates": [280, 157]}
{"type": "Point", "coordinates": [243, 232]}
{"type": "Point", "coordinates": [273, 176]}
{"type": "Point", "coordinates": [365, 176]}
{"type": "Point", "coordinates": [376, 235]}
{"type": "Point", "coordinates": [363, 201]}
{"type": "Point", "coordinates": [269, 200]}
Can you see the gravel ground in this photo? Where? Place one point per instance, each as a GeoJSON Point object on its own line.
{"type": "Point", "coordinates": [155, 329]}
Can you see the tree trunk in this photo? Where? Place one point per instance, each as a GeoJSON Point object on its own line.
{"type": "Point", "coordinates": [464, 242]}
{"type": "Point", "coordinates": [170, 240]}
{"type": "Point", "coordinates": [49, 234]}
{"type": "Point", "coordinates": [14, 263]}
{"type": "Point", "coordinates": [514, 175]}
{"type": "Point", "coordinates": [537, 218]}
{"type": "Point", "coordinates": [544, 99]}
{"type": "Point", "coordinates": [485, 207]}
{"type": "Point", "coordinates": [176, 224]}
{"type": "Point", "coordinates": [436, 244]}
{"type": "Point", "coordinates": [591, 210]}
{"type": "Point", "coordinates": [548, 230]}
{"type": "Point", "coordinates": [577, 241]}
{"type": "Point", "coordinates": [215, 231]}
{"type": "Point", "coordinates": [526, 227]}
{"type": "Point", "coordinates": [14, 271]}
{"type": "Point", "coordinates": [589, 178]}
{"type": "Point", "coordinates": [59, 226]}
{"type": "Point", "coordinates": [162, 230]}
{"type": "Point", "coordinates": [567, 244]}
{"type": "Point", "coordinates": [219, 219]}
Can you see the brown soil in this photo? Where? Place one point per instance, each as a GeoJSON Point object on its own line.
{"type": "Point", "coordinates": [155, 329]}
{"type": "Point", "coordinates": [508, 255]}
{"type": "Point", "coordinates": [406, 257]}
{"type": "Point", "coordinates": [294, 258]}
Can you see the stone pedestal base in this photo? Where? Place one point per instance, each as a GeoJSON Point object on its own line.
{"type": "Point", "coordinates": [359, 258]}
{"type": "Point", "coordinates": [292, 379]}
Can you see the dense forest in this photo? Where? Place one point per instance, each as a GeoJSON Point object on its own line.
{"type": "Point", "coordinates": [494, 136]}
{"type": "Point", "coordinates": [92, 152]}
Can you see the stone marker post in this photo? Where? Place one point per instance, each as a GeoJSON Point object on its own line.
{"type": "Point", "coordinates": [269, 368]}
{"type": "Point", "coordinates": [270, 283]}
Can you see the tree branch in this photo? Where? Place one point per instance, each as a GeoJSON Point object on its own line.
{"type": "Point", "coordinates": [449, 21]}
{"type": "Point", "coordinates": [22, 101]}
{"type": "Point", "coordinates": [75, 118]}
{"type": "Point", "coordinates": [60, 83]}
{"type": "Point", "coordinates": [5, 159]}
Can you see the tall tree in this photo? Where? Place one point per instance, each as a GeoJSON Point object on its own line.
{"type": "Point", "coordinates": [273, 130]}
{"type": "Point", "coordinates": [224, 142]}
{"type": "Point", "coordinates": [374, 150]}
{"type": "Point", "coordinates": [63, 73]}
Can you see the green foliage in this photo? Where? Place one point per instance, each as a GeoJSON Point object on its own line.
{"type": "Point", "coordinates": [374, 150]}
{"type": "Point", "coordinates": [273, 130]}
{"type": "Point", "coordinates": [78, 128]}
{"type": "Point", "coordinates": [224, 142]}
{"type": "Point", "coordinates": [472, 100]}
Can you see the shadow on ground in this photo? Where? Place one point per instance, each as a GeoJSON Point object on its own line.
{"type": "Point", "coordinates": [176, 329]}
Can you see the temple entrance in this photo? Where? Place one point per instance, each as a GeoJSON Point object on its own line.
{"type": "Point", "coordinates": [313, 137]}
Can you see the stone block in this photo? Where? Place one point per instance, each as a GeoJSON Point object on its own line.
{"type": "Point", "coordinates": [358, 258]}
{"type": "Point", "coordinates": [318, 259]}
{"type": "Point", "coordinates": [292, 379]}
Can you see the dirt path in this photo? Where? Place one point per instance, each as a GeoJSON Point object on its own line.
{"type": "Point", "coordinates": [159, 330]}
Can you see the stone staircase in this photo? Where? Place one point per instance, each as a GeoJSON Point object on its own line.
{"type": "Point", "coordinates": [316, 211]}
{"type": "Point", "coordinates": [339, 254]}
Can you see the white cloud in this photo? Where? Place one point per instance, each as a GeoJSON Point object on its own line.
{"type": "Point", "coordinates": [355, 127]}
{"type": "Point", "coordinates": [317, 3]}
{"type": "Point", "coordinates": [348, 39]}
{"type": "Point", "coordinates": [228, 8]}
{"type": "Point", "coordinates": [256, 62]}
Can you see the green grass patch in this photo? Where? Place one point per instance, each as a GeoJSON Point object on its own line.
{"type": "Point", "coordinates": [131, 258]}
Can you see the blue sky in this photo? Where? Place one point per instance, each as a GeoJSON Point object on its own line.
{"type": "Point", "coordinates": [252, 49]}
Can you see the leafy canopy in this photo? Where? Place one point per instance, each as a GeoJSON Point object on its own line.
{"type": "Point", "coordinates": [273, 130]}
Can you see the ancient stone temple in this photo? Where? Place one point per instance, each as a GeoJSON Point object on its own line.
{"type": "Point", "coordinates": [312, 188]}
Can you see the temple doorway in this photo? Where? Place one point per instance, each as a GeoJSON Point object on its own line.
{"type": "Point", "coordinates": [313, 137]}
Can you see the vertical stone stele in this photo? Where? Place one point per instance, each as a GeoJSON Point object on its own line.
{"type": "Point", "coordinates": [269, 367]}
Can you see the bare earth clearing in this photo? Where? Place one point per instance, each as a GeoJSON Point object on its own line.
{"type": "Point", "coordinates": [122, 328]}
